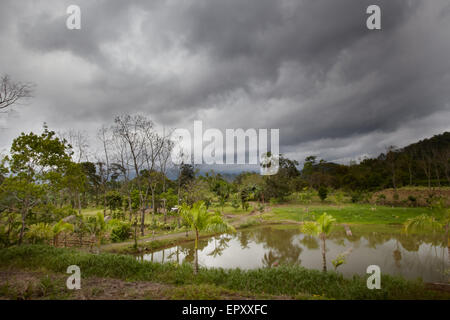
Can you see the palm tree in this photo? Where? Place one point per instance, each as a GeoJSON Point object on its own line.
{"type": "Point", "coordinates": [97, 226]}
{"type": "Point", "coordinates": [200, 219]}
{"type": "Point", "coordinates": [60, 227]}
{"type": "Point", "coordinates": [440, 223]}
{"type": "Point", "coordinates": [322, 228]}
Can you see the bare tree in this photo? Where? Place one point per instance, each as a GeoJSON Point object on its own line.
{"type": "Point", "coordinates": [122, 168]}
{"type": "Point", "coordinates": [132, 130]}
{"type": "Point", "coordinates": [13, 92]}
{"type": "Point", "coordinates": [154, 144]}
{"type": "Point", "coordinates": [103, 135]}
{"type": "Point", "coordinates": [79, 141]}
{"type": "Point", "coordinates": [164, 156]}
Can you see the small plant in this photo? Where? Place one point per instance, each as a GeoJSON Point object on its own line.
{"type": "Point", "coordinates": [339, 198]}
{"type": "Point", "coordinates": [46, 286]}
{"type": "Point", "coordinates": [261, 207]}
{"type": "Point", "coordinates": [235, 202]}
{"type": "Point", "coordinates": [340, 260]}
{"type": "Point", "coordinates": [322, 227]}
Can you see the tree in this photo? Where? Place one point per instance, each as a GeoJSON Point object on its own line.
{"type": "Point", "coordinates": [35, 161]}
{"type": "Point", "coordinates": [103, 135]}
{"type": "Point", "coordinates": [200, 220]}
{"type": "Point", "coordinates": [323, 192]}
{"type": "Point", "coordinates": [79, 143]}
{"type": "Point", "coordinates": [113, 200]}
{"type": "Point", "coordinates": [132, 131]}
{"type": "Point", "coordinates": [322, 228]}
{"type": "Point", "coordinates": [13, 92]}
{"type": "Point", "coordinates": [75, 181]}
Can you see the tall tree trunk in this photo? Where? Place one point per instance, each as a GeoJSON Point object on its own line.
{"type": "Point", "coordinates": [104, 203]}
{"type": "Point", "coordinates": [142, 214]}
{"type": "Point", "coordinates": [79, 203]}
{"type": "Point", "coordinates": [24, 216]}
{"type": "Point", "coordinates": [135, 233]}
{"type": "Point", "coordinates": [153, 202]}
{"type": "Point", "coordinates": [196, 252]}
{"type": "Point", "coordinates": [130, 208]}
{"type": "Point", "coordinates": [324, 249]}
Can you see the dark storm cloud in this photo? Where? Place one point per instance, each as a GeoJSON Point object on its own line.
{"type": "Point", "coordinates": [310, 68]}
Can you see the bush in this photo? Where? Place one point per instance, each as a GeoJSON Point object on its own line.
{"type": "Point", "coordinates": [39, 233]}
{"type": "Point", "coordinates": [120, 231]}
{"type": "Point", "coordinates": [356, 196]}
{"type": "Point", "coordinates": [413, 200]}
{"type": "Point", "coordinates": [323, 193]}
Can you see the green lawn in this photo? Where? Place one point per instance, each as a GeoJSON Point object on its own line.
{"type": "Point", "coordinates": [351, 213]}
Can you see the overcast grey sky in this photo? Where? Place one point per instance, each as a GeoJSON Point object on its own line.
{"type": "Point", "coordinates": [308, 67]}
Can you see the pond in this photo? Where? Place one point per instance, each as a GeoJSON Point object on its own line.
{"type": "Point", "coordinates": [410, 256]}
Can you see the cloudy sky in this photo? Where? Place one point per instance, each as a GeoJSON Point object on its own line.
{"type": "Point", "coordinates": [308, 67]}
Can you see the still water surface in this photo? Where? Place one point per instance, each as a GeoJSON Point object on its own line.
{"type": "Point", "coordinates": [411, 256]}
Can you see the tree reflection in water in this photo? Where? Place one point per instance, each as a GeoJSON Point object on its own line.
{"type": "Point", "coordinates": [412, 255]}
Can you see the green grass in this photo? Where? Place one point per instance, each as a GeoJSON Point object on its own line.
{"type": "Point", "coordinates": [91, 211]}
{"type": "Point", "coordinates": [353, 213]}
{"type": "Point", "coordinates": [293, 281]}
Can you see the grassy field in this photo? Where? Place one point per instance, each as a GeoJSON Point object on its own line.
{"type": "Point", "coordinates": [288, 281]}
{"type": "Point", "coordinates": [351, 213]}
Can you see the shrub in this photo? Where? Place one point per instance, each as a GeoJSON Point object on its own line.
{"type": "Point", "coordinates": [235, 202]}
{"type": "Point", "coordinates": [39, 233]}
{"type": "Point", "coordinates": [356, 196]}
{"type": "Point", "coordinates": [120, 231]}
{"type": "Point", "coordinates": [412, 200]}
{"type": "Point", "coordinates": [323, 193]}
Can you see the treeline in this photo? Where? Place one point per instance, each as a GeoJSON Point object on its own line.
{"type": "Point", "coordinates": [425, 163]}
